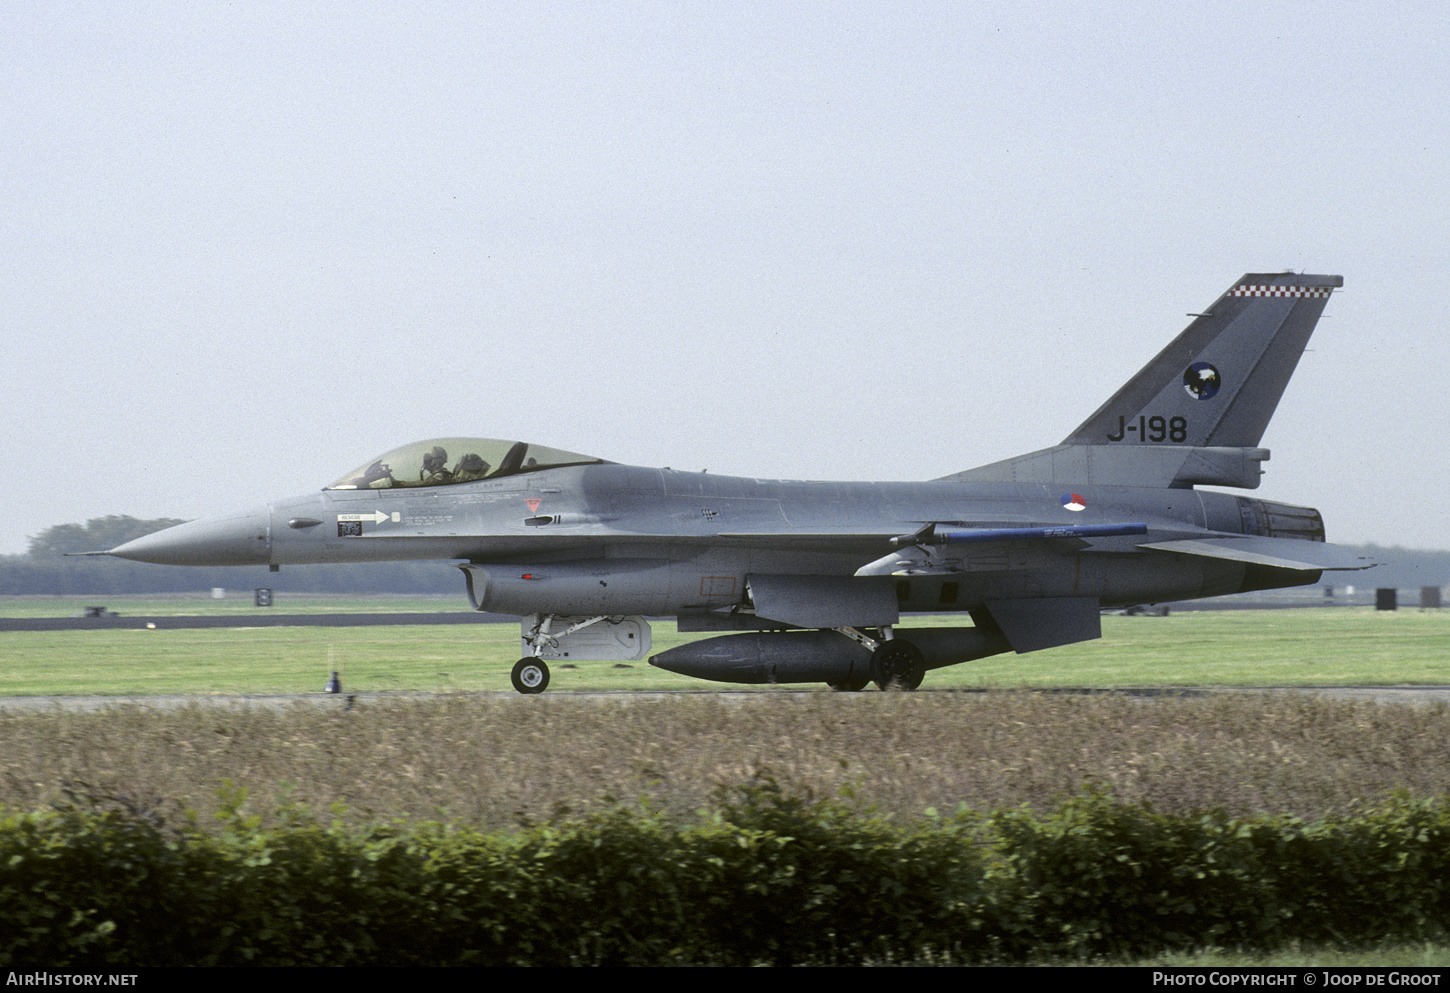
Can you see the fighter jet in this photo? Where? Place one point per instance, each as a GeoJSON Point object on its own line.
{"type": "Point", "coordinates": [808, 581]}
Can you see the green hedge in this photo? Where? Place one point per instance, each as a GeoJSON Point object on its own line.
{"type": "Point", "coordinates": [766, 877]}
{"type": "Point", "coordinates": [1102, 879]}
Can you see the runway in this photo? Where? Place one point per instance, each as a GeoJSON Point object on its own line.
{"type": "Point", "coordinates": [1412, 695]}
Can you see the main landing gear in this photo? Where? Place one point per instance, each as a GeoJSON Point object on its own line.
{"type": "Point", "coordinates": [895, 664]}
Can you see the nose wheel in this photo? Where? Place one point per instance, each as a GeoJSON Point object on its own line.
{"type": "Point", "coordinates": [530, 675]}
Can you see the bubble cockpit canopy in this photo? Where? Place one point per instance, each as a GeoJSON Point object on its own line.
{"type": "Point", "coordinates": [443, 461]}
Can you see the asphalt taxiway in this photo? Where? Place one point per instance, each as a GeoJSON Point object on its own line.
{"type": "Point", "coordinates": [1428, 695]}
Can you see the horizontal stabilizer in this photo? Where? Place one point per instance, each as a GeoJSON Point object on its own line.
{"type": "Point", "coordinates": [1281, 553]}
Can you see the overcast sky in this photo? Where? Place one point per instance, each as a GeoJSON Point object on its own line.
{"type": "Point", "coordinates": [247, 246]}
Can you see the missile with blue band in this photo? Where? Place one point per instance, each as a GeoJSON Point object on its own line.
{"type": "Point", "coordinates": [929, 535]}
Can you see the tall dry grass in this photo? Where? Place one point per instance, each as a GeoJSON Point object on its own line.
{"type": "Point", "coordinates": [493, 761]}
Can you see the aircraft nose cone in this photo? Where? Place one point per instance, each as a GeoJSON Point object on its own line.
{"type": "Point", "coordinates": [232, 539]}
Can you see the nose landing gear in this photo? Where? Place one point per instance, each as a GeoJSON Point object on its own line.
{"type": "Point", "coordinates": [530, 675]}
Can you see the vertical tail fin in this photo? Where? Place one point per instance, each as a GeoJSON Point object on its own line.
{"type": "Point", "coordinates": [1196, 413]}
{"type": "Point", "coordinates": [1217, 384]}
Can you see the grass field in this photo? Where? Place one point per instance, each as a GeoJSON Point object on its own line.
{"type": "Point", "coordinates": [494, 759]}
{"type": "Point", "coordinates": [1314, 647]}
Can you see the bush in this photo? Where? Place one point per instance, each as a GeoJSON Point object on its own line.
{"type": "Point", "coordinates": [767, 876]}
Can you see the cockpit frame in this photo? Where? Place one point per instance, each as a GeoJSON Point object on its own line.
{"type": "Point", "coordinates": [427, 463]}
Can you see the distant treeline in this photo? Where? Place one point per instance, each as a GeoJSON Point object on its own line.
{"type": "Point", "coordinates": [45, 569]}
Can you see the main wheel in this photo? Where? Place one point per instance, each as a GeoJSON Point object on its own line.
{"type": "Point", "coordinates": [852, 685]}
{"type": "Point", "coordinates": [897, 664]}
{"type": "Point", "coordinates": [530, 675]}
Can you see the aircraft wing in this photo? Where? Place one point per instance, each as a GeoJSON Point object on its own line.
{"type": "Point", "coordinates": [1282, 553]}
{"type": "Point", "coordinates": [869, 597]}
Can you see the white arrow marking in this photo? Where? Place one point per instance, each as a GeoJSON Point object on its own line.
{"type": "Point", "coordinates": [377, 517]}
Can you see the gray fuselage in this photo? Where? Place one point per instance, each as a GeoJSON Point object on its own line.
{"type": "Point", "coordinates": [609, 538]}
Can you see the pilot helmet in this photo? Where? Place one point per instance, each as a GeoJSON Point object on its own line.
{"type": "Point", "coordinates": [435, 460]}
